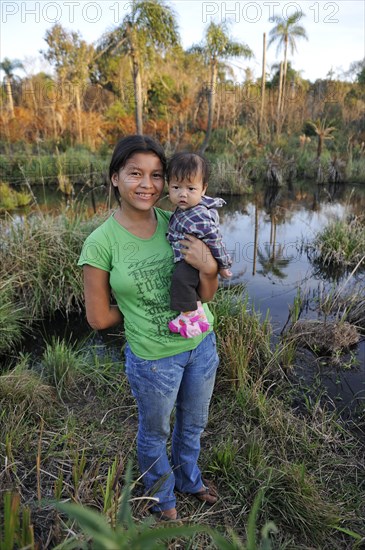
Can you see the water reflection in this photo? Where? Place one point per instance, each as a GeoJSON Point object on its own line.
{"type": "Point", "coordinates": [267, 234]}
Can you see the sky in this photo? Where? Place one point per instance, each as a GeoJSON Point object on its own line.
{"type": "Point", "coordinates": [336, 30]}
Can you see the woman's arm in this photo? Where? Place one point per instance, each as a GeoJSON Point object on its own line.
{"type": "Point", "coordinates": [197, 254]}
{"type": "Point", "coordinates": [100, 313]}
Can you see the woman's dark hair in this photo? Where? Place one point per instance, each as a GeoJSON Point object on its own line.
{"type": "Point", "coordinates": [185, 166]}
{"type": "Point", "coordinates": [128, 146]}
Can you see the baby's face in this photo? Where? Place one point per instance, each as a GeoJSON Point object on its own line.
{"type": "Point", "coordinates": [186, 194]}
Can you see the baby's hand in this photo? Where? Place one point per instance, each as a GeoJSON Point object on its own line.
{"type": "Point", "coordinates": [225, 273]}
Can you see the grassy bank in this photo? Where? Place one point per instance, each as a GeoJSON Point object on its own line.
{"type": "Point", "coordinates": [69, 426]}
{"type": "Point", "coordinates": [237, 163]}
{"type": "Point", "coordinates": [79, 165]}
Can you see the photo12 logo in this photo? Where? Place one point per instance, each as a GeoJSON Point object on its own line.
{"type": "Point", "coordinates": [252, 12]}
{"type": "Point", "coordinates": [67, 11]}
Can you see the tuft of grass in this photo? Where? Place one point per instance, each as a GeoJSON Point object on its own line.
{"type": "Point", "coordinates": [24, 388]}
{"type": "Point", "coordinates": [62, 365]}
{"type": "Point", "coordinates": [12, 318]}
{"type": "Point", "coordinates": [244, 341]}
{"type": "Point", "coordinates": [127, 533]}
{"type": "Point", "coordinates": [341, 244]}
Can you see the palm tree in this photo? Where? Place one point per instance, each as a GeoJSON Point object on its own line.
{"type": "Point", "coordinates": [323, 132]}
{"type": "Point", "coordinates": [150, 27]}
{"type": "Point", "coordinates": [217, 46]}
{"type": "Point", "coordinates": [285, 32]}
{"type": "Point", "coordinates": [9, 66]}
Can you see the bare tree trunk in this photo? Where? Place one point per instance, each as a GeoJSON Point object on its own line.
{"type": "Point", "coordinates": [278, 122]}
{"type": "Point", "coordinates": [137, 84]}
{"type": "Point", "coordinates": [9, 94]}
{"type": "Point", "coordinates": [196, 111]}
{"type": "Point", "coordinates": [280, 87]}
{"type": "Point", "coordinates": [284, 76]}
{"type": "Point", "coordinates": [78, 112]}
{"type": "Point", "coordinates": [211, 105]}
{"type": "Point", "coordinates": [320, 146]}
{"type": "Point", "coordinates": [263, 78]}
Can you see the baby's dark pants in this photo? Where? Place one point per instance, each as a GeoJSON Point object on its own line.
{"type": "Point", "coordinates": [184, 285]}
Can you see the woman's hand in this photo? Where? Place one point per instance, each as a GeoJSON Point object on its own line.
{"type": "Point", "coordinates": [198, 254]}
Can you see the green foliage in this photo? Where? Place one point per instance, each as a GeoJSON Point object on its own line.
{"type": "Point", "coordinates": [117, 110]}
{"type": "Point", "coordinates": [77, 163]}
{"type": "Point", "coordinates": [218, 43]}
{"type": "Point", "coordinates": [11, 199]}
{"type": "Point", "coordinates": [9, 66]}
{"type": "Point", "coordinates": [286, 31]}
{"type": "Point", "coordinates": [71, 55]}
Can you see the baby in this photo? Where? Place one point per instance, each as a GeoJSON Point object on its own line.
{"type": "Point", "coordinates": [196, 214]}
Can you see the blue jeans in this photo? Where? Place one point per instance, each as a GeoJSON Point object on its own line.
{"type": "Point", "coordinates": [186, 379]}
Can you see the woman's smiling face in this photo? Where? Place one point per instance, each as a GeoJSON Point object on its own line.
{"type": "Point", "coordinates": [140, 181]}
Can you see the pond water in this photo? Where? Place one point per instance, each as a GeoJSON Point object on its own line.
{"type": "Point", "coordinates": [281, 221]}
{"type": "Point", "coordinates": [285, 220]}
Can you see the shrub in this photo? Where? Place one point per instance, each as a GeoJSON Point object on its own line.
{"type": "Point", "coordinates": [11, 199]}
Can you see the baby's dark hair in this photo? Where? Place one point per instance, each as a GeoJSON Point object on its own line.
{"type": "Point", "coordinates": [185, 166]}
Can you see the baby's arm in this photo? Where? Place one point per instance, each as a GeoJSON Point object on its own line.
{"type": "Point", "coordinates": [209, 232]}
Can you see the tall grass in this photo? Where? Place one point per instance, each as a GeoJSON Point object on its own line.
{"type": "Point", "coordinates": [244, 339]}
{"type": "Point", "coordinates": [12, 318]}
{"type": "Point", "coordinates": [125, 533]}
{"type": "Point", "coordinates": [40, 257]}
{"type": "Point", "coordinates": [62, 364]}
{"type": "Point", "coordinates": [306, 463]}
{"type": "Point", "coordinates": [23, 388]}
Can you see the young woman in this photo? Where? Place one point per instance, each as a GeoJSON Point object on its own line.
{"type": "Point", "coordinates": [130, 256]}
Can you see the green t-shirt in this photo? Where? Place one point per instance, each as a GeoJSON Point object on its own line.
{"type": "Point", "coordinates": [140, 278]}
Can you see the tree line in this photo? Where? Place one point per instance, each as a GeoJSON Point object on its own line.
{"type": "Point", "coordinates": [138, 78]}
